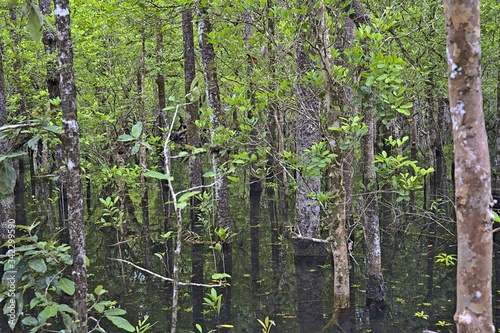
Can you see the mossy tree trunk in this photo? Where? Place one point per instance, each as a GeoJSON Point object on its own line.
{"type": "Point", "coordinates": [71, 145]}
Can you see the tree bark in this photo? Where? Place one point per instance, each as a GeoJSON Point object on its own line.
{"type": "Point", "coordinates": [143, 157]}
{"type": "Point", "coordinates": [473, 200]}
{"type": "Point", "coordinates": [375, 290]}
{"type": "Point", "coordinates": [219, 157]}
{"type": "Point", "coordinates": [72, 157]}
{"type": "Point", "coordinates": [307, 128]}
{"type": "Point", "coordinates": [195, 169]}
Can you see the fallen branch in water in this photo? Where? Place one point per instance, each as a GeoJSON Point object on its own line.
{"type": "Point", "coordinates": [166, 278]}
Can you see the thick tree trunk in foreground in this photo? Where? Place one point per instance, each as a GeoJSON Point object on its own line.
{"type": "Point", "coordinates": [473, 198]}
{"type": "Point", "coordinates": [72, 156]}
{"type": "Point", "coordinates": [495, 189]}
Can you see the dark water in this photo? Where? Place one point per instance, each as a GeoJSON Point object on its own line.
{"type": "Point", "coordinates": [277, 290]}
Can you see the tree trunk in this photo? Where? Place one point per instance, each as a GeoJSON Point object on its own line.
{"type": "Point", "coordinates": [307, 131]}
{"type": "Point", "coordinates": [195, 169]}
{"type": "Point", "coordinates": [308, 254]}
{"type": "Point", "coordinates": [219, 157]}
{"type": "Point", "coordinates": [162, 123]}
{"type": "Point", "coordinates": [375, 290]}
{"type": "Point", "coordinates": [143, 158]}
{"type": "Point", "coordinates": [495, 184]}
{"type": "Point", "coordinates": [473, 198]}
{"type": "Point", "coordinates": [72, 157]}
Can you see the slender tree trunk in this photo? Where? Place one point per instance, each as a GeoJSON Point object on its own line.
{"type": "Point", "coordinates": [223, 213]}
{"type": "Point", "coordinates": [272, 179]}
{"type": "Point", "coordinates": [72, 157]}
{"type": "Point", "coordinates": [473, 198]}
{"type": "Point", "coordinates": [162, 123]}
{"type": "Point", "coordinates": [195, 169]}
{"type": "Point", "coordinates": [143, 158]}
{"type": "Point", "coordinates": [375, 290]}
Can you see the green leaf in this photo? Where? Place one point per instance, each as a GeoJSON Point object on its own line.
{"type": "Point", "coordinates": [33, 141]}
{"type": "Point", "coordinates": [405, 112]}
{"type": "Point", "coordinates": [209, 174]}
{"type": "Point", "coordinates": [125, 138]}
{"type": "Point", "coordinates": [135, 148]}
{"type": "Point", "coordinates": [38, 264]}
{"type": "Point", "coordinates": [29, 321]}
{"type": "Point", "coordinates": [11, 155]}
{"type": "Point", "coordinates": [407, 105]}
{"type": "Point", "coordinates": [157, 175]}
{"type": "Point", "coordinates": [67, 286]}
{"type": "Point", "coordinates": [181, 205]}
{"type": "Point", "coordinates": [185, 197]}
{"type": "Point", "coordinates": [121, 323]}
{"type": "Point", "coordinates": [496, 218]}
{"type": "Point", "coordinates": [53, 129]}
{"type": "Point", "coordinates": [219, 276]}
{"type": "Point", "coordinates": [66, 308]}
{"type": "Point", "coordinates": [99, 290]}
{"type": "Point", "coordinates": [34, 24]}
{"type": "Point", "coordinates": [136, 130]}
{"type": "Point", "coordinates": [7, 178]}
{"type": "Point", "coordinates": [99, 307]}
{"type": "Point", "coordinates": [115, 312]}
{"type": "Point", "coordinates": [49, 312]}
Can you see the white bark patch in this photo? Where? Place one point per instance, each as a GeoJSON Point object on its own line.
{"type": "Point", "coordinates": [458, 112]}
{"type": "Point", "coordinates": [72, 125]}
{"type": "Point", "coordinates": [478, 294]}
{"type": "Point", "coordinates": [71, 165]}
{"type": "Point", "coordinates": [455, 70]}
{"type": "Point", "coordinates": [61, 11]}
{"type": "Point", "coordinates": [465, 318]}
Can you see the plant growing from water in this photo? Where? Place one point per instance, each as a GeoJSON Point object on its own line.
{"type": "Point", "coordinates": [266, 324]}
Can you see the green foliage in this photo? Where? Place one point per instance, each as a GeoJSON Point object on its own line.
{"type": "Point", "coordinates": [213, 300]}
{"type": "Point", "coordinates": [421, 314]}
{"type": "Point", "coordinates": [266, 324]}
{"type": "Point", "coordinates": [7, 174]}
{"type": "Point", "coordinates": [111, 215]}
{"type": "Point", "coordinates": [40, 275]}
{"type": "Point", "coordinates": [446, 259]}
{"type": "Point", "coordinates": [353, 128]}
{"type": "Point", "coordinates": [403, 174]}
{"type": "Point", "coordinates": [143, 326]}
{"type": "Point", "coordinates": [40, 268]}
{"type": "Point", "coordinates": [135, 138]}
{"type": "Point", "coordinates": [496, 218]}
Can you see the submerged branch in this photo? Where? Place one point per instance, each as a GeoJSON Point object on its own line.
{"type": "Point", "coordinates": [166, 278]}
